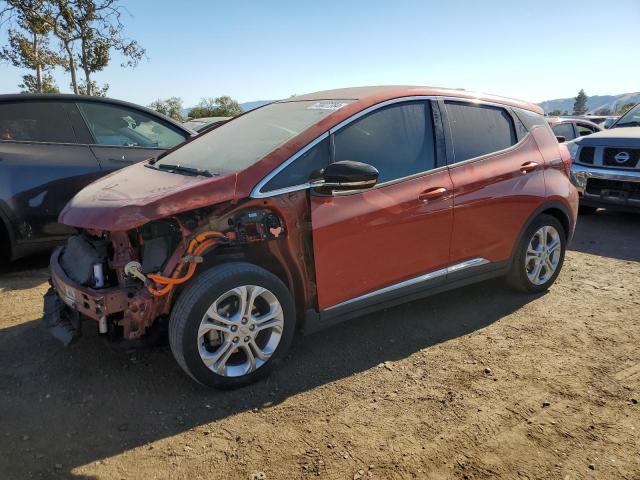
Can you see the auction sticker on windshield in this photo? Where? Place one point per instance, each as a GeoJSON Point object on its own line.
{"type": "Point", "coordinates": [327, 105]}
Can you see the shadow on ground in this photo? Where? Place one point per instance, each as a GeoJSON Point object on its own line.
{"type": "Point", "coordinates": [24, 273]}
{"type": "Point", "coordinates": [608, 234]}
{"type": "Point", "coordinates": [88, 402]}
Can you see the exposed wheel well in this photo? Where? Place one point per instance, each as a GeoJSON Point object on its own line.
{"type": "Point", "coordinates": [561, 217]}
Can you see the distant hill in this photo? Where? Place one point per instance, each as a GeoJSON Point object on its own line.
{"type": "Point", "coordinates": [596, 102]}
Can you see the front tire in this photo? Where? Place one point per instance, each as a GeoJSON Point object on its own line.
{"type": "Point", "coordinates": [539, 256]}
{"type": "Point", "coordinates": [232, 325]}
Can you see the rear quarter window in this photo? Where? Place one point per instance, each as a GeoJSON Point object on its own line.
{"type": "Point", "coordinates": [35, 122]}
{"type": "Point", "coordinates": [478, 130]}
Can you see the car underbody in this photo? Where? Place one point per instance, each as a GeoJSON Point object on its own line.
{"type": "Point", "coordinates": [127, 281]}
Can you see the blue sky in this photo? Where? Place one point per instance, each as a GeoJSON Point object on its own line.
{"type": "Point", "coordinates": [268, 50]}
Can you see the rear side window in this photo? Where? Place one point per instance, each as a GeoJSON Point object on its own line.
{"type": "Point", "coordinates": [299, 171]}
{"type": "Point", "coordinates": [119, 126]}
{"type": "Point", "coordinates": [564, 130]}
{"type": "Point", "coordinates": [478, 130]}
{"type": "Point", "coordinates": [397, 140]}
{"type": "Point", "coordinates": [35, 122]}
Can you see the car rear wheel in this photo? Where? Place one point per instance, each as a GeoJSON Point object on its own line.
{"type": "Point", "coordinates": [539, 256]}
{"type": "Point", "coordinates": [232, 325]}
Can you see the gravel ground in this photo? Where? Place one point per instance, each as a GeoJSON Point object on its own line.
{"type": "Point", "coordinates": [476, 383]}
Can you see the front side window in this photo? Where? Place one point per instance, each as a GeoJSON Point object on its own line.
{"type": "Point", "coordinates": [119, 126]}
{"type": "Point", "coordinates": [300, 170]}
{"type": "Point", "coordinates": [398, 140]}
{"type": "Point", "coordinates": [238, 144]}
{"type": "Point", "coordinates": [35, 122]}
{"type": "Point", "coordinates": [564, 130]}
{"type": "Point", "coordinates": [478, 130]}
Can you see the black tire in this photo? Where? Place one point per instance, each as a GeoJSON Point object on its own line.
{"type": "Point", "coordinates": [199, 295]}
{"type": "Point", "coordinates": [585, 210]}
{"type": "Point", "coordinates": [517, 277]}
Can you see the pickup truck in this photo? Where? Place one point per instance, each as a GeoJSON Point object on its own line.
{"type": "Point", "coordinates": [606, 166]}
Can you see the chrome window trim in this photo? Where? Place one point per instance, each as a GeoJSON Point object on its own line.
{"type": "Point", "coordinates": [474, 262]}
{"type": "Point", "coordinates": [257, 193]}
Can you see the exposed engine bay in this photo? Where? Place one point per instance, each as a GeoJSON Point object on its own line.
{"type": "Point", "coordinates": [127, 281]}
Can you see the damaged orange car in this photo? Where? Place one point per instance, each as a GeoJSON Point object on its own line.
{"type": "Point", "coordinates": [309, 211]}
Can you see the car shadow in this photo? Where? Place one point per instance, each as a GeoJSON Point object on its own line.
{"type": "Point", "coordinates": [64, 408]}
{"type": "Point", "coordinates": [608, 233]}
{"type": "Point", "coordinates": [24, 273]}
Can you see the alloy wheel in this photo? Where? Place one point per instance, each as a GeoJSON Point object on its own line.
{"type": "Point", "coordinates": [240, 331]}
{"type": "Point", "coordinates": [543, 255]}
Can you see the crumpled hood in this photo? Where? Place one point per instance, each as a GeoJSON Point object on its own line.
{"type": "Point", "coordinates": [614, 137]}
{"type": "Point", "coordinates": [135, 195]}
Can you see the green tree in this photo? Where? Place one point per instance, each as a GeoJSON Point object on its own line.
{"type": "Point", "coordinates": [580, 104]}
{"type": "Point", "coordinates": [30, 84]}
{"type": "Point", "coordinates": [94, 89]}
{"type": "Point", "coordinates": [625, 108]}
{"type": "Point", "coordinates": [216, 107]}
{"type": "Point", "coordinates": [28, 42]}
{"type": "Point", "coordinates": [88, 31]}
{"type": "Point", "coordinates": [171, 107]}
{"type": "Point", "coordinates": [555, 113]}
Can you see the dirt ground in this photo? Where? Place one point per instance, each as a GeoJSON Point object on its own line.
{"type": "Point", "coordinates": [472, 384]}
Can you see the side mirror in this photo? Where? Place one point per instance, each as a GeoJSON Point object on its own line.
{"type": "Point", "coordinates": [561, 139]}
{"type": "Point", "coordinates": [346, 175]}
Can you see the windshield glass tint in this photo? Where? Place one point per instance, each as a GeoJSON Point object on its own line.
{"type": "Point", "coordinates": [632, 116]}
{"type": "Point", "coordinates": [236, 145]}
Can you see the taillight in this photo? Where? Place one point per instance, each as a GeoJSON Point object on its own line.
{"type": "Point", "coordinates": [567, 153]}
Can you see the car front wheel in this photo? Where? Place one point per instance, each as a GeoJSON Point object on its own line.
{"type": "Point", "coordinates": [539, 256]}
{"type": "Point", "coordinates": [232, 325]}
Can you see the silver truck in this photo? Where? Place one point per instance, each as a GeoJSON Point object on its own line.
{"type": "Point", "coordinates": [606, 166]}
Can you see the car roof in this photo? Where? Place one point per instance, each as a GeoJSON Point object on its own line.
{"type": "Point", "coordinates": [20, 97]}
{"type": "Point", "coordinates": [388, 92]}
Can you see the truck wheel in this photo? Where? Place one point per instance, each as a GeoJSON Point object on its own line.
{"type": "Point", "coordinates": [539, 256]}
{"type": "Point", "coordinates": [232, 325]}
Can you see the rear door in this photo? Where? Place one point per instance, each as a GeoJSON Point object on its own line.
{"type": "Point", "coordinates": [120, 136]}
{"type": "Point", "coordinates": [42, 166]}
{"type": "Point", "coordinates": [498, 180]}
{"type": "Point", "coordinates": [394, 237]}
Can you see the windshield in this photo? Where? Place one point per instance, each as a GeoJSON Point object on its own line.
{"type": "Point", "coordinates": [630, 119]}
{"type": "Point", "coordinates": [236, 145]}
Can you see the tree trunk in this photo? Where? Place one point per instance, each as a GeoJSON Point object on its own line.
{"type": "Point", "coordinates": [72, 67]}
{"type": "Point", "coordinates": [36, 52]}
{"type": "Point", "coordinates": [86, 68]}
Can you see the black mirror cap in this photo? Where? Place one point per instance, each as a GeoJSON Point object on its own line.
{"type": "Point", "coordinates": [348, 175]}
{"type": "Point", "coordinates": [561, 139]}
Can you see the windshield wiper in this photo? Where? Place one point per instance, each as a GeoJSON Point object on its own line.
{"type": "Point", "coordinates": [180, 169]}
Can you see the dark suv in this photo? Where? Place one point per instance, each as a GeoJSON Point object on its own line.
{"type": "Point", "coordinates": [51, 146]}
{"type": "Point", "coordinates": [606, 166]}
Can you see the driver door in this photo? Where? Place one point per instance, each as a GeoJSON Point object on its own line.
{"type": "Point", "coordinates": [119, 136]}
{"type": "Point", "coordinates": [393, 238]}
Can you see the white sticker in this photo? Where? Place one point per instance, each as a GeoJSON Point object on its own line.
{"type": "Point", "coordinates": [328, 105]}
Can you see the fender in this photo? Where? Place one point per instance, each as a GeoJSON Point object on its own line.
{"type": "Point", "coordinates": [547, 205]}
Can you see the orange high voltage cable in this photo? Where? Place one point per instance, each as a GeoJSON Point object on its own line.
{"type": "Point", "coordinates": [197, 246]}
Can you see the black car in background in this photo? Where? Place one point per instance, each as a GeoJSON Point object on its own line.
{"type": "Point", "coordinates": [51, 146]}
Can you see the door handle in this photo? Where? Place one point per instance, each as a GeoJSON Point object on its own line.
{"type": "Point", "coordinates": [528, 167]}
{"type": "Point", "coordinates": [432, 194]}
